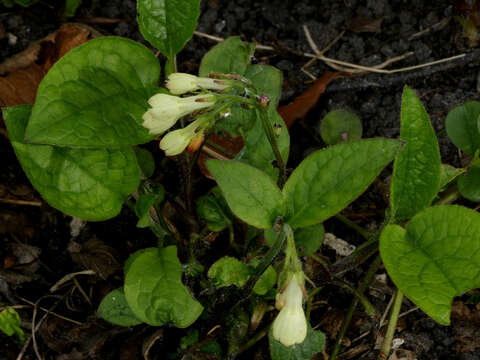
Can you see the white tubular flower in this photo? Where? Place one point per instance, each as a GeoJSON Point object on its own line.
{"type": "Point", "coordinates": [290, 326]}
{"type": "Point", "coordinates": [167, 109]}
{"type": "Point", "coordinates": [181, 83]}
{"type": "Point", "coordinates": [176, 141]}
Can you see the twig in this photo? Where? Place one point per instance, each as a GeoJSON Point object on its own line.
{"type": "Point", "coordinates": [50, 312]}
{"type": "Point", "coordinates": [68, 277]}
{"type": "Point", "coordinates": [385, 313]}
{"type": "Point", "coordinates": [437, 26]}
{"type": "Point", "coordinates": [21, 202]}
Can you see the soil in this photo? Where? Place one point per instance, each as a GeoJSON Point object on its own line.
{"type": "Point", "coordinates": [426, 28]}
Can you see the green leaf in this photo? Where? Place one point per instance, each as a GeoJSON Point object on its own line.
{"type": "Point", "coordinates": [340, 125]}
{"type": "Point", "coordinates": [329, 179]}
{"type": "Point", "coordinates": [250, 193]}
{"type": "Point", "coordinates": [448, 174]}
{"type": "Point", "coordinates": [71, 7]}
{"type": "Point", "coordinates": [128, 263]}
{"type": "Point", "coordinates": [145, 202]}
{"type": "Point", "coordinates": [168, 24]}
{"type": "Point", "coordinates": [10, 324]}
{"type": "Point", "coordinates": [229, 271]}
{"type": "Point", "coordinates": [266, 282]}
{"type": "Point", "coordinates": [309, 239]}
{"type": "Point", "coordinates": [145, 161]}
{"type": "Point", "coordinates": [469, 184]}
{"type": "Point", "coordinates": [95, 96]}
{"type": "Point", "coordinates": [436, 258]}
{"type": "Point", "coordinates": [154, 290]}
{"type": "Point", "coordinates": [214, 210]}
{"type": "Point", "coordinates": [463, 128]}
{"type": "Point", "coordinates": [230, 56]}
{"type": "Point", "coordinates": [114, 308]}
{"type": "Point", "coordinates": [417, 169]}
{"type": "Point", "coordinates": [189, 340]}
{"type": "Point", "coordinates": [89, 184]}
{"type": "Point", "coordinates": [313, 344]}
{"type": "Point", "coordinates": [266, 79]}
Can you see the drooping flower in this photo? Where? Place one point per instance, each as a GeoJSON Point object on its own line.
{"type": "Point", "coordinates": [176, 141]}
{"type": "Point", "coordinates": [181, 83]}
{"type": "Point", "coordinates": [167, 109]}
{"type": "Point", "coordinates": [290, 326]}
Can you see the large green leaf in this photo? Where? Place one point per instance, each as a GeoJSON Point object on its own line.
{"type": "Point", "coordinates": [417, 169]}
{"type": "Point", "coordinates": [168, 24]}
{"type": "Point", "coordinates": [114, 308]}
{"type": "Point", "coordinates": [313, 344]}
{"type": "Point", "coordinates": [329, 179]}
{"type": "Point", "coordinates": [154, 290]}
{"type": "Point", "coordinates": [436, 258]}
{"type": "Point", "coordinates": [86, 183]}
{"type": "Point", "coordinates": [230, 56]}
{"type": "Point", "coordinates": [95, 96]}
{"type": "Point", "coordinates": [250, 193]}
{"type": "Point", "coordinates": [462, 127]}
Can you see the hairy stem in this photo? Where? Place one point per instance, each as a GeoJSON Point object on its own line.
{"type": "Point", "coordinates": [392, 324]}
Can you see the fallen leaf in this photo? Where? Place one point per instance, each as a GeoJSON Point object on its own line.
{"type": "Point", "coordinates": [25, 70]}
{"type": "Point", "coordinates": [95, 255]}
{"type": "Point", "coordinates": [305, 102]}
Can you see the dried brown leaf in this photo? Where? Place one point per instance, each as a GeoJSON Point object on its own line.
{"type": "Point", "coordinates": [305, 102]}
{"type": "Point", "coordinates": [25, 70]}
{"type": "Point", "coordinates": [361, 25]}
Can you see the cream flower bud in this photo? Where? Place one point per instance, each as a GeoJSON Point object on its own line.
{"type": "Point", "coordinates": [290, 326]}
{"type": "Point", "coordinates": [167, 109]}
{"type": "Point", "coordinates": [176, 141]}
{"type": "Point", "coordinates": [181, 83]}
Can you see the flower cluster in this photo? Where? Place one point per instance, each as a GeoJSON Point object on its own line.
{"type": "Point", "coordinates": [290, 326]}
{"type": "Point", "coordinates": [166, 110]}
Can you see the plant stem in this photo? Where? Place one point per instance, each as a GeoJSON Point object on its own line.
{"type": "Point", "coordinates": [367, 305]}
{"type": "Point", "coordinates": [367, 235]}
{"type": "Point", "coordinates": [272, 138]}
{"type": "Point", "coordinates": [348, 317]}
{"type": "Point", "coordinates": [449, 196]}
{"type": "Point", "coordinates": [392, 324]}
{"type": "Point", "coordinates": [311, 295]}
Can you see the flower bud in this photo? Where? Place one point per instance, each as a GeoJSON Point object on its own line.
{"type": "Point", "coordinates": [176, 141]}
{"type": "Point", "coordinates": [181, 83]}
{"type": "Point", "coordinates": [290, 326]}
{"type": "Point", "coordinates": [167, 109]}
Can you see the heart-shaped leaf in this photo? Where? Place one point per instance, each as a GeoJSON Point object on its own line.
{"type": "Point", "coordinates": [154, 290]}
{"type": "Point", "coordinates": [114, 308]}
{"type": "Point", "coordinates": [436, 258]}
{"type": "Point", "coordinates": [462, 126]}
{"type": "Point", "coordinates": [95, 96]}
{"type": "Point", "coordinates": [87, 183]}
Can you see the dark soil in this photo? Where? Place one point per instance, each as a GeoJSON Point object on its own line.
{"type": "Point", "coordinates": [374, 98]}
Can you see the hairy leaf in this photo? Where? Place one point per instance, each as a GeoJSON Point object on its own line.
{"type": "Point", "coordinates": [95, 96]}
{"type": "Point", "coordinates": [168, 24]}
{"type": "Point", "coordinates": [154, 290]}
{"type": "Point", "coordinates": [250, 193]}
{"type": "Point", "coordinates": [329, 179]}
{"type": "Point", "coordinates": [86, 183]}
{"type": "Point", "coordinates": [436, 258]}
{"type": "Point", "coordinates": [417, 169]}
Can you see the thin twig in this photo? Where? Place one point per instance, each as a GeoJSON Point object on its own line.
{"type": "Point", "coordinates": [68, 277]}
{"type": "Point", "coordinates": [387, 310]}
{"type": "Point", "coordinates": [50, 312]}
{"type": "Point", "coordinates": [21, 202]}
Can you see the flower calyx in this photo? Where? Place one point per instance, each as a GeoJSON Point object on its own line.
{"type": "Point", "coordinates": [181, 83]}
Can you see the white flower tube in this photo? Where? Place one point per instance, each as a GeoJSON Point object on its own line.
{"type": "Point", "coordinates": [290, 326]}
{"type": "Point", "coordinates": [177, 141]}
{"type": "Point", "coordinates": [167, 109]}
{"type": "Point", "coordinates": [181, 83]}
